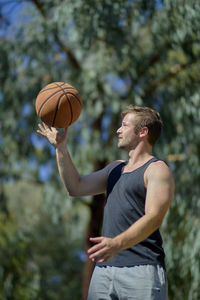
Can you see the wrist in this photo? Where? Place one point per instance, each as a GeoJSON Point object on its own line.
{"type": "Point", "coordinates": [118, 242]}
{"type": "Point", "coordinates": [61, 148]}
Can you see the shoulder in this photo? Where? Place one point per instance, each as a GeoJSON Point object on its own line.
{"type": "Point", "coordinates": [158, 166]}
{"type": "Point", "coordinates": [113, 165]}
{"type": "Point", "coordinates": [159, 171]}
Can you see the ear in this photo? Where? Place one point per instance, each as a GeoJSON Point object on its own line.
{"type": "Point", "coordinates": [143, 132]}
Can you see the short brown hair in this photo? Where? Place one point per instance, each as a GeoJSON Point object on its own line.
{"type": "Point", "coordinates": [147, 117]}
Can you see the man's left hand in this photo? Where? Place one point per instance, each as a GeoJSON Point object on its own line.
{"type": "Point", "coordinates": [104, 249]}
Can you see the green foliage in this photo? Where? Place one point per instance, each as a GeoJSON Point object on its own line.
{"type": "Point", "coordinates": [41, 245]}
{"type": "Point", "coordinates": [18, 279]}
{"type": "Point", "coordinates": [114, 53]}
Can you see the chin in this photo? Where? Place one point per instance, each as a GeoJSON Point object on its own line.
{"type": "Point", "coordinates": [121, 146]}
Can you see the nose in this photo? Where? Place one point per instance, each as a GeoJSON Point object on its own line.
{"type": "Point", "coordinates": [119, 130]}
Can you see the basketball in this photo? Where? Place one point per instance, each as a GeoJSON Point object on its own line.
{"type": "Point", "coordinates": [58, 104]}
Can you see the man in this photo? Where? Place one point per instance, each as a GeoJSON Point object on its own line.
{"type": "Point", "coordinates": [129, 255]}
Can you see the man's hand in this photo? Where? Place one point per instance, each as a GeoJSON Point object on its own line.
{"type": "Point", "coordinates": [52, 134]}
{"type": "Point", "coordinates": [104, 249]}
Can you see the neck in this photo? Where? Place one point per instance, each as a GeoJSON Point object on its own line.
{"type": "Point", "coordinates": [140, 154]}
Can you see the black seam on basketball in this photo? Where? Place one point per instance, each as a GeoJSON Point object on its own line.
{"type": "Point", "coordinates": [58, 102]}
{"type": "Point", "coordinates": [50, 88]}
{"type": "Point", "coordinates": [46, 101]}
{"type": "Point", "coordinates": [66, 88]}
{"type": "Point", "coordinates": [70, 106]}
{"type": "Point", "coordinates": [75, 97]}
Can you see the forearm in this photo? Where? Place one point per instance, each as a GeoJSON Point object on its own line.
{"type": "Point", "coordinates": [105, 248]}
{"type": "Point", "coordinates": [67, 170]}
{"type": "Point", "coordinates": [138, 232]}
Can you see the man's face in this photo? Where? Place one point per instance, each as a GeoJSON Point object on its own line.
{"type": "Point", "coordinates": [128, 140]}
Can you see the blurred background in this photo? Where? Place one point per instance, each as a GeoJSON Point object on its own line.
{"type": "Point", "coordinates": [115, 53]}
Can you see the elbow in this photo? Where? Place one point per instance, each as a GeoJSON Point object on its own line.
{"type": "Point", "coordinates": [155, 219]}
{"type": "Point", "coordinates": [72, 193]}
{"type": "Point", "coordinates": [74, 188]}
{"type": "Point", "coordinates": [158, 222]}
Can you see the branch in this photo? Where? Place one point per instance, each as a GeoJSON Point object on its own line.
{"type": "Point", "coordinates": [152, 61]}
{"type": "Point", "coordinates": [64, 48]}
{"type": "Point", "coordinates": [39, 7]}
{"type": "Point", "coordinates": [156, 57]}
{"type": "Point", "coordinates": [172, 73]}
{"type": "Point", "coordinates": [69, 53]}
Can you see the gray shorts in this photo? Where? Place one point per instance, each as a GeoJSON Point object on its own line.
{"type": "Point", "coordinates": [144, 282]}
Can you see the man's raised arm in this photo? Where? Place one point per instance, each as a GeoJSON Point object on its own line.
{"type": "Point", "coordinates": [75, 184]}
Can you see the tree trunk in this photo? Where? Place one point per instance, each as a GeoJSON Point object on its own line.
{"type": "Point", "coordinates": [94, 230]}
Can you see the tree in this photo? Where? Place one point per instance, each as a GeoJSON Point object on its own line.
{"type": "Point", "coordinates": [114, 53]}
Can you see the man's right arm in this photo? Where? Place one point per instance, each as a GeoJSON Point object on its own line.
{"type": "Point", "coordinates": [75, 184]}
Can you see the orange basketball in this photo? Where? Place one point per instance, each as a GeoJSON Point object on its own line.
{"type": "Point", "coordinates": [58, 104]}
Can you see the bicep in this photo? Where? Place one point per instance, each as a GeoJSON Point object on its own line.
{"type": "Point", "coordinates": [95, 183]}
{"type": "Point", "coordinates": [160, 190]}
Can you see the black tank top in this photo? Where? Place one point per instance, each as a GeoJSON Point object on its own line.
{"type": "Point", "coordinates": [125, 204]}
